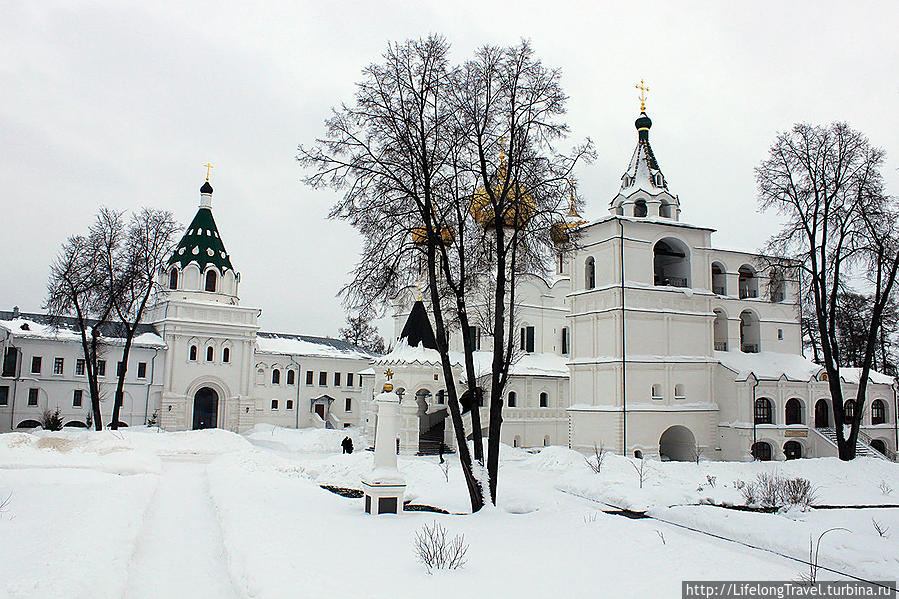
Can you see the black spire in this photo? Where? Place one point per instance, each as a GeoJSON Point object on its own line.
{"type": "Point", "coordinates": [643, 123]}
{"type": "Point", "coordinates": [417, 330]}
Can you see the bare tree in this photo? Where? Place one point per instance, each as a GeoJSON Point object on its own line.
{"type": "Point", "coordinates": [839, 226]}
{"type": "Point", "coordinates": [360, 332]}
{"type": "Point", "coordinates": [450, 175]}
{"type": "Point", "coordinates": [79, 286]}
{"type": "Point", "coordinates": [135, 268]}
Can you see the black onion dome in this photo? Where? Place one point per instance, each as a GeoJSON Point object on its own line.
{"type": "Point", "coordinates": [643, 122]}
{"type": "Point", "coordinates": [207, 188]}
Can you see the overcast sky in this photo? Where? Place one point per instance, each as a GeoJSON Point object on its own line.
{"type": "Point", "coordinates": [103, 103]}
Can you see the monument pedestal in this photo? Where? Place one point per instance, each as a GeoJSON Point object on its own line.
{"type": "Point", "coordinates": [383, 498]}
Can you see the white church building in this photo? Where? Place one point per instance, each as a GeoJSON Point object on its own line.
{"type": "Point", "coordinates": [648, 341]}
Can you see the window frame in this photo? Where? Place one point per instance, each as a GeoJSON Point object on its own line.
{"type": "Point", "coordinates": [142, 370]}
{"type": "Point", "coordinates": [36, 361]}
{"type": "Point", "coordinates": [34, 398]}
{"type": "Point", "coordinates": [59, 366]}
{"type": "Point", "coordinates": [78, 398]}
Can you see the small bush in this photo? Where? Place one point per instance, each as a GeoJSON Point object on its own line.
{"type": "Point", "coordinates": [51, 420]}
{"type": "Point", "coordinates": [599, 454]}
{"type": "Point", "coordinates": [775, 491]}
{"type": "Point", "coordinates": [436, 551]}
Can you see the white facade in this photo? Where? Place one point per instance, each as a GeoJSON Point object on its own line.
{"type": "Point", "coordinates": [201, 361]}
{"type": "Point", "coordinates": [672, 347]}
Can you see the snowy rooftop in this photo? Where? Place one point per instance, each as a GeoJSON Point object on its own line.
{"type": "Point", "coordinates": [538, 364]}
{"type": "Point", "coordinates": [773, 365]}
{"type": "Point", "coordinates": [39, 326]}
{"type": "Point", "coordinates": [305, 345]}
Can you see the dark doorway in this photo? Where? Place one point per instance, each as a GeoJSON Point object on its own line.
{"type": "Point", "coordinates": [206, 407]}
{"type": "Point", "coordinates": [822, 418]}
{"type": "Point", "coordinates": [320, 410]}
{"type": "Point", "coordinates": [792, 450]}
{"type": "Point", "coordinates": [761, 451]}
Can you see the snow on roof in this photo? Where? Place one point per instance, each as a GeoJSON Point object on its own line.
{"type": "Point", "coordinates": [538, 364]}
{"type": "Point", "coordinates": [773, 365]}
{"type": "Point", "coordinates": [39, 326]}
{"type": "Point", "coordinates": [305, 345]}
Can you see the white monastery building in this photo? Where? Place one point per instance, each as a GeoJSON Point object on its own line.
{"type": "Point", "coordinates": [647, 340]}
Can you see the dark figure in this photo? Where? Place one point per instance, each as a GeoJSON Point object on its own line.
{"type": "Point", "coordinates": [347, 445]}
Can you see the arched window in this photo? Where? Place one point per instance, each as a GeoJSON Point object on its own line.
{"type": "Point", "coordinates": [763, 414]}
{"type": "Point", "coordinates": [289, 405]}
{"type": "Point", "coordinates": [750, 332]}
{"type": "Point", "coordinates": [877, 444]}
{"type": "Point", "coordinates": [719, 279]}
{"type": "Point", "coordinates": [849, 411]}
{"type": "Point", "coordinates": [792, 450]}
{"type": "Point", "coordinates": [640, 208]}
{"type": "Point", "coordinates": [544, 400]}
{"type": "Point", "coordinates": [793, 411]}
{"type": "Point", "coordinates": [226, 355]}
{"type": "Point", "coordinates": [210, 354]}
{"type": "Point", "coordinates": [671, 263]}
{"type": "Point", "coordinates": [276, 377]}
{"type": "Point", "coordinates": [590, 273]}
{"type": "Point", "coordinates": [720, 330]}
{"type": "Point", "coordinates": [210, 280]}
{"type": "Point", "coordinates": [878, 412]}
{"type": "Point", "coordinates": [173, 278]}
{"type": "Point", "coordinates": [513, 399]}
{"type": "Point", "coordinates": [761, 451]}
{"type": "Point", "coordinates": [260, 376]}
{"type": "Point", "coordinates": [193, 353]}
{"type": "Point", "coordinates": [665, 210]}
{"type": "Point", "coordinates": [749, 283]}
{"type": "Point", "coordinates": [776, 287]}
{"type": "Point", "coordinates": [822, 417]}
{"type": "Point", "coordinates": [291, 377]}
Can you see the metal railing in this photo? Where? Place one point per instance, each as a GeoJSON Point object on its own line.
{"type": "Point", "coordinates": [748, 293]}
{"type": "Point", "coordinates": [721, 346]}
{"type": "Point", "coordinates": [720, 290]}
{"type": "Point", "coordinates": [671, 281]}
{"type": "Point", "coordinates": [886, 451]}
{"type": "Point", "coordinates": [750, 348]}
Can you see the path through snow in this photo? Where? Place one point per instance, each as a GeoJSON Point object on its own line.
{"type": "Point", "coordinates": [179, 551]}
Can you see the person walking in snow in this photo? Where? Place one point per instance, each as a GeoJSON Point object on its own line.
{"type": "Point", "coordinates": [347, 445]}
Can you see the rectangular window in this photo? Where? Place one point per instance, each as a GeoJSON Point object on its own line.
{"type": "Point", "coordinates": [564, 341]}
{"type": "Point", "coordinates": [4, 396]}
{"type": "Point", "coordinates": [323, 379]}
{"type": "Point", "coordinates": [119, 368]}
{"type": "Point", "coordinates": [79, 367]}
{"type": "Point", "coordinates": [349, 379]}
{"type": "Point", "coordinates": [348, 406]}
{"type": "Point", "coordinates": [336, 379]}
{"type": "Point", "coordinates": [309, 376]}
{"type": "Point", "coordinates": [780, 334]}
{"type": "Point", "coordinates": [101, 367]}
{"type": "Point", "coordinates": [35, 364]}
{"type": "Point", "coordinates": [474, 338]}
{"type": "Point", "coordinates": [58, 365]}
{"type": "Point", "coordinates": [289, 404]}
{"type": "Point", "coordinates": [527, 339]}
{"type": "Point", "coordinates": [141, 370]}
{"type": "Point", "coordinates": [32, 397]}
{"type": "Point", "coordinates": [77, 397]}
{"type": "Point", "coordinates": [9, 361]}
{"type": "Point", "coordinates": [274, 404]}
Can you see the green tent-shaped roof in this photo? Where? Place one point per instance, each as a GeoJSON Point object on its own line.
{"type": "Point", "coordinates": [202, 243]}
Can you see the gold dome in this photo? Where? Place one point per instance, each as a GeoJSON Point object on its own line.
{"type": "Point", "coordinates": [520, 206]}
{"type": "Point", "coordinates": [559, 232]}
{"type": "Point", "coordinates": [420, 235]}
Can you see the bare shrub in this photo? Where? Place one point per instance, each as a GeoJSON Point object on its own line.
{"type": "Point", "coordinates": [772, 490]}
{"type": "Point", "coordinates": [661, 536]}
{"type": "Point", "coordinates": [444, 468]}
{"type": "Point", "coordinates": [880, 528]}
{"type": "Point", "coordinates": [437, 551]}
{"type": "Point", "coordinates": [595, 463]}
{"type": "Point", "coordinates": [711, 479]}
{"type": "Point", "coordinates": [885, 488]}
{"type": "Point", "coordinates": [697, 453]}
{"type": "Point", "coordinates": [642, 469]}
{"type": "Point", "coordinates": [811, 577]}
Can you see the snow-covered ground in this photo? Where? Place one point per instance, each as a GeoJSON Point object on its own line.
{"type": "Point", "coordinates": [143, 513]}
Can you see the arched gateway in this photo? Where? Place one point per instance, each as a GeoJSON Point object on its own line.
{"type": "Point", "coordinates": [677, 444]}
{"type": "Point", "coordinates": [206, 407]}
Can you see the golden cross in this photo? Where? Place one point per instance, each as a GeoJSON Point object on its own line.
{"type": "Point", "coordinates": [388, 373]}
{"type": "Point", "coordinates": [643, 89]}
{"type": "Point", "coordinates": [208, 166]}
